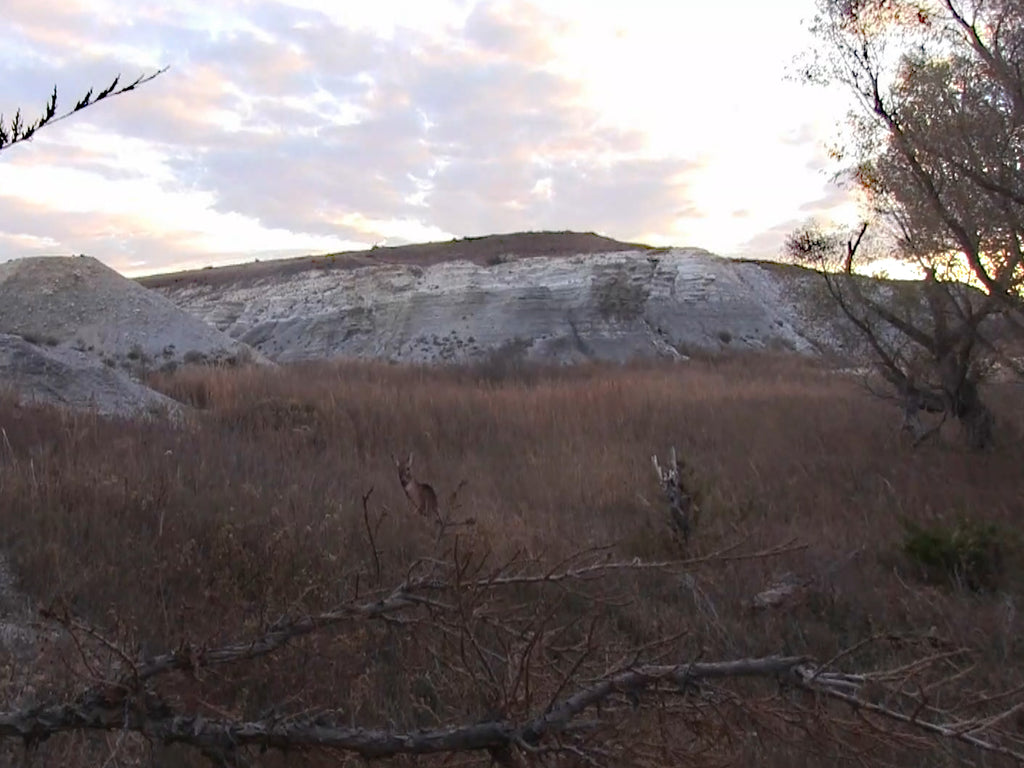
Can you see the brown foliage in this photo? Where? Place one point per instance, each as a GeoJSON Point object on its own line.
{"type": "Point", "coordinates": [176, 540]}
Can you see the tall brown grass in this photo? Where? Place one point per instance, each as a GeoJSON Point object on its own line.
{"type": "Point", "coordinates": [161, 534]}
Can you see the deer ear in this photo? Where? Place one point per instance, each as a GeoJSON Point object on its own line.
{"type": "Point", "coordinates": [394, 460]}
{"type": "Point", "coordinates": [409, 462]}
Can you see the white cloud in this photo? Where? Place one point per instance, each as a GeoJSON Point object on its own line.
{"type": "Point", "coordinates": [284, 126]}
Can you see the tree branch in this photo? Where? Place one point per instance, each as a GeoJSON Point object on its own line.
{"type": "Point", "coordinates": [16, 130]}
{"type": "Point", "coordinates": [96, 709]}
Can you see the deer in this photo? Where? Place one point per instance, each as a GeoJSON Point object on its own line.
{"type": "Point", "coordinates": [421, 495]}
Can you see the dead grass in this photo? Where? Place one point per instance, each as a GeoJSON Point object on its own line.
{"type": "Point", "coordinates": [209, 532]}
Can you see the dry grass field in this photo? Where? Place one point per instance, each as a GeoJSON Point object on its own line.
{"type": "Point", "coordinates": [260, 507]}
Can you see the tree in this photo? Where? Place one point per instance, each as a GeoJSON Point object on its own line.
{"type": "Point", "coordinates": [936, 149]}
{"type": "Point", "coordinates": [931, 341]}
{"type": "Point", "coordinates": [17, 129]}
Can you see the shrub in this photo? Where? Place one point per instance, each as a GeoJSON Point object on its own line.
{"type": "Point", "coordinates": [971, 553]}
{"type": "Point", "coordinates": [40, 340]}
{"type": "Point", "coordinates": [497, 259]}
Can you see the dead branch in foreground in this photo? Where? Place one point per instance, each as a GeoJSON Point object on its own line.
{"type": "Point", "coordinates": [554, 688]}
{"type": "Point", "coordinates": [99, 709]}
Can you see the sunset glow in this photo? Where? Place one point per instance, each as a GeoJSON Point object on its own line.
{"type": "Point", "coordinates": [284, 128]}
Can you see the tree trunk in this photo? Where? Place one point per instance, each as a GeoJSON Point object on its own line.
{"type": "Point", "coordinates": [976, 418]}
{"type": "Point", "coordinates": [966, 405]}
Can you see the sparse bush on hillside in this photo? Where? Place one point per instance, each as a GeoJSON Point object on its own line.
{"type": "Point", "coordinates": [507, 362]}
{"type": "Point", "coordinates": [619, 298]}
{"type": "Point", "coordinates": [498, 258]}
{"type": "Point", "coordinates": [254, 581]}
{"type": "Point", "coordinates": [38, 340]}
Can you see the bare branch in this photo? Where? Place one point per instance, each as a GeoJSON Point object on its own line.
{"type": "Point", "coordinates": [17, 130]}
{"type": "Point", "coordinates": [839, 688]}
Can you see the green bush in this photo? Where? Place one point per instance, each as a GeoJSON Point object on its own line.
{"type": "Point", "coordinates": [970, 553]}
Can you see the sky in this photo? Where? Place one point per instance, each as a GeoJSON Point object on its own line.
{"type": "Point", "coordinates": [295, 127]}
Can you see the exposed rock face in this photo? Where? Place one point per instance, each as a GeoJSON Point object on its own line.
{"type": "Point", "coordinates": [78, 303]}
{"type": "Point", "coordinates": [74, 333]}
{"type": "Point", "coordinates": [610, 306]}
{"type": "Point", "coordinates": [73, 379]}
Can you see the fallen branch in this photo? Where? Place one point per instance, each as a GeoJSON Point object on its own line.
{"type": "Point", "coordinates": [809, 677]}
{"type": "Point", "coordinates": [101, 709]}
{"type": "Point", "coordinates": [540, 686]}
{"type": "Point", "coordinates": [407, 595]}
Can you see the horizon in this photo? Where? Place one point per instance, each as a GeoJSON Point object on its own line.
{"type": "Point", "coordinates": [884, 269]}
{"type": "Point", "coordinates": [288, 129]}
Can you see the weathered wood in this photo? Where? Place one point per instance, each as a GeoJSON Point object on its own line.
{"type": "Point", "coordinates": [682, 503]}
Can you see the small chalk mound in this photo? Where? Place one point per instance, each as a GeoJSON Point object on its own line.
{"type": "Point", "coordinates": [79, 303]}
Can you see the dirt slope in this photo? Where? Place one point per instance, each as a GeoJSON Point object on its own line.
{"type": "Point", "coordinates": [77, 334]}
{"type": "Point", "coordinates": [482, 251]}
{"type": "Point", "coordinates": [79, 303]}
{"type": "Point", "coordinates": [36, 375]}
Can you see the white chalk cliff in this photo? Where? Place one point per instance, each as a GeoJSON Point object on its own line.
{"type": "Point", "coordinates": [609, 306]}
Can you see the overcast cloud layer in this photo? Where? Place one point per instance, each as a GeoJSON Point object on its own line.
{"type": "Point", "coordinates": [281, 129]}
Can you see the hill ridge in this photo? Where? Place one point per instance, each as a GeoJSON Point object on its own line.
{"type": "Point", "coordinates": [483, 250]}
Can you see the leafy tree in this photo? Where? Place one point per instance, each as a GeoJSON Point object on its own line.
{"type": "Point", "coordinates": [936, 148]}
{"type": "Point", "coordinates": [17, 129]}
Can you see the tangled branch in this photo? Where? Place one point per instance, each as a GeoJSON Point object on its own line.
{"type": "Point", "coordinates": [554, 689]}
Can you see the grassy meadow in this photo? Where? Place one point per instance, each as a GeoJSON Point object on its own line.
{"type": "Point", "coordinates": [264, 504]}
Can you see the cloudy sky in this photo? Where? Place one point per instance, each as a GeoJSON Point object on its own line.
{"type": "Point", "coordinates": [299, 126]}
